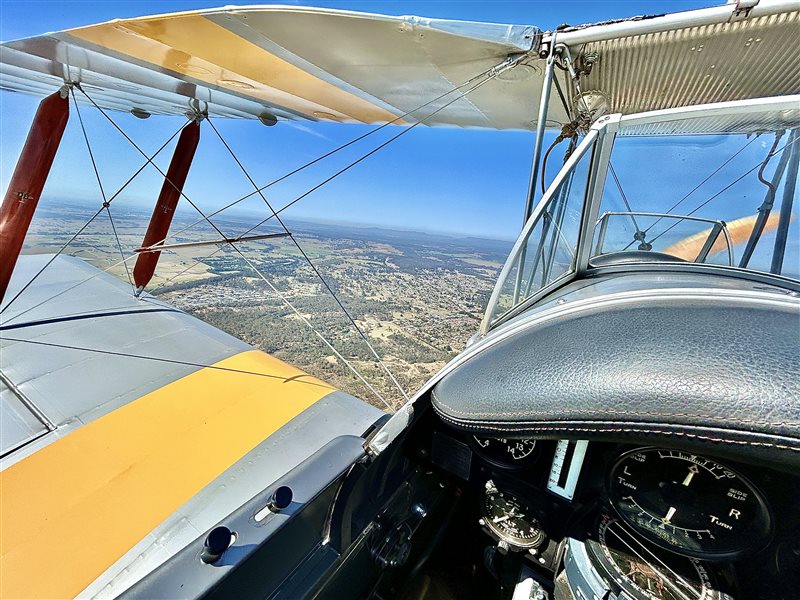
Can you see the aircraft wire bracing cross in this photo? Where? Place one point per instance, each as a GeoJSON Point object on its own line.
{"type": "Point", "coordinates": [172, 190]}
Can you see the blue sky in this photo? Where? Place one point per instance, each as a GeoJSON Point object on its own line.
{"type": "Point", "coordinates": [462, 181]}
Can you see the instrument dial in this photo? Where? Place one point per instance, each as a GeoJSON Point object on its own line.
{"type": "Point", "coordinates": [645, 572]}
{"type": "Point", "coordinates": [506, 451]}
{"type": "Point", "coordinates": [509, 519]}
{"type": "Point", "coordinates": [688, 503]}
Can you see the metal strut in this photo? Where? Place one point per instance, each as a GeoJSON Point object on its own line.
{"type": "Point", "coordinates": [789, 188]}
{"type": "Point", "coordinates": [167, 203]}
{"type": "Point", "coordinates": [541, 125]}
{"type": "Point", "coordinates": [769, 200]}
{"type": "Point", "coordinates": [236, 240]}
{"type": "Point", "coordinates": [27, 182]}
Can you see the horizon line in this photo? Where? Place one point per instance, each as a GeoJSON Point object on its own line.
{"type": "Point", "coordinates": [311, 220]}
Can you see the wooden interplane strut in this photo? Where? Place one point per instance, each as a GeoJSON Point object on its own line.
{"type": "Point", "coordinates": [167, 202]}
{"type": "Point", "coordinates": [27, 182]}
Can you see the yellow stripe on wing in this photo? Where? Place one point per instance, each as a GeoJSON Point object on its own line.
{"type": "Point", "coordinates": [70, 510]}
{"type": "Point", "coordinates": [196, 47]}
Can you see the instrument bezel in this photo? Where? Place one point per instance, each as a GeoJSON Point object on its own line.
{"type": "Point", "coordinates": [508, 465]}
{"type": "Point", "coordinates": [753, 539]}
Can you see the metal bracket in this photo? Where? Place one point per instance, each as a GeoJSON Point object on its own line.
{"type": "Point", "coordinates": [195, 112]}
{"type": "Point", "coordinates": [741, 9]}
{"type": "Point", "coordinates": [584, 119]}
{"type": "Point", "coordinates": [63, 91]}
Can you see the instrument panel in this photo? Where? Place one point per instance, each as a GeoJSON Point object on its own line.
{"type": "Point", "coordinates": [644, 523]}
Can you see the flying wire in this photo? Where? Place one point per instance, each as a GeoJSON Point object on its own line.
{"type": "Point", "coordinates": [492, 72]}
{"type": "Point", "coordinates": [240, 253]}
{"type": "Point", "coordinates": [695, 188]}
{"type": "Point", "coordinates": [363, 157]}
{"type": "Point", "coordinates": [69, 289]}
{"type": "Point", "coordinates": [719, 193]}
{"type": "Point", "coordinates": [186, 270]}
{"type": "Point", "coordinates": [81, 230]}
{"type": "Point", "coordinates": [106, 203]}
{"type": "Point", "coordinates": [314, 329]}
{"type": "Point", "coordinates": [316, 187]}
{"type": "Point", "coordinates": [158, 359]}
{"type": "Point", "coordinates": [624, 197]}
{"type": "Point", "coordinates": [337, 149]}
{"type": "Point", "coordinates": [311, 264]}
{"type": "Point", "coordinates": [148, 160]}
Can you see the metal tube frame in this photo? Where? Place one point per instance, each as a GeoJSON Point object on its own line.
{"type": "Point", "coordinates": [603, 222]}
{"type": "Point", "coordinates": [541, 126]}
{"type": "Point", "coordinates": [787, 200]}
{"type": "Point", "coordinates": [766, 207]}
{"type": "Point", "coordinates": [603, 132]}
{"type": "Point", "coordinates": [520, 244]}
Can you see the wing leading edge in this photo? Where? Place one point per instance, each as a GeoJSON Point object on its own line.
{"type": "Point", "coordinates": [267, 62]}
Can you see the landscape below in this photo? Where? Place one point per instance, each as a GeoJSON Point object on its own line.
{"type": "Point", "coordinates": [417, 296]}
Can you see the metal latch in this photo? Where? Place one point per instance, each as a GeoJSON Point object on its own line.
{"type": "Point", "coordinates": [741, 9]}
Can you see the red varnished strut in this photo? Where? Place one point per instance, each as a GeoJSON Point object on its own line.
{"type": "Point", "coordinates": [28, 180]}
{"type": "Point", "coordinates": [167, 202]}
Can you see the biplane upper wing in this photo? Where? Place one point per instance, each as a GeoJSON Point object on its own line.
{"type": "Point", "coordinates": [280, 62]}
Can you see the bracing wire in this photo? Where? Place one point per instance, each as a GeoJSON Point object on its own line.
{"type": "Point", "coordinates": [720, 192]}
{"type": "Point", "coordinates": [159, 359]}
{"type": "Point", "coordinates": [314, 330]}
{"type": "Point", "coordinates": [148, 160]}
{"type": "Point", "coordinates": [337, 149]}
{"type": "Point", "coordinates": [361, 158]}
{"type": "Point", "coordinates": [239, 252]}
{"type": "Point", "coordinates": [487, 72]}
{"type": "Point", "coordinates": [492, 72]}
{"type": "Point", "coordinates": [155, 166]}
{"type": "Point", "coordinates": [49, 262]}
{"type": "Point", "coordinates": [186, 270]}
{"type": "Point", "coordinates": [70, 288]}
{"type": "Point", "coordinates": [312, 265]}
{"type": "Point", "coordinates": [623, 195]}
{"type": "Point", "coordinates": [106, 203]}
{"type": "Point", "coordinates": [316, 187]}
{"type": "Point", "coordinates": [695, 188]}
{"type": "Point", "coordinates": [81, 230]}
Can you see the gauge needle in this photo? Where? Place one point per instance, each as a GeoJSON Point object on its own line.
{"type": "Point", "coordinates": [670, 513]}
{"type": "Point", "coordinates": [500, 519]}
{"type": "Point", "coordinates": [693, 470]}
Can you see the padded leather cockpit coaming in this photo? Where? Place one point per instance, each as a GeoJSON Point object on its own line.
{"type": "Point", "coordinates": [695, 371]}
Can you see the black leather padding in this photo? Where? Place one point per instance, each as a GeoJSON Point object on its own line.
{"type": "Point", "coordinates": [694, 371]}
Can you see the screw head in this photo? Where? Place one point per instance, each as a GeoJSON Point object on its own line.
{"type": "Point", "coordinates": [217, 541]}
